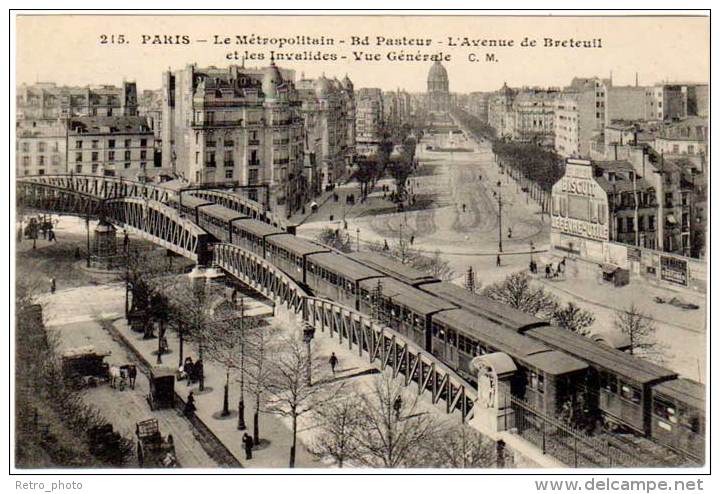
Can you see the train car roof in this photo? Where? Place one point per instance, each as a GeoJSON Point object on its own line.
{"type": "Point", "coordinates": [295, 244]}
{"type": "Point", "coordinates": [684, 390]}
{"type": "Point", "coordinates": [343, 265]}
{"type": "Point", "coordinates": [391, 267]}
{"type": "Point", "coordinates": [618, 362]}
{"type": "Point", "coordinates": [408, 296]}
{"type": "Point", "coordinates": [486, 307]}
{"type": "Point", "coordinates": [498, 337]}
{"type": "Point", "coordinates": [221, 212]}
{"type": "Point", "coordinates": [191, 200]}
{"type": "Point", "coordinates": [257, 228]}
{"type": "Point", "coordinates": [555, 363]}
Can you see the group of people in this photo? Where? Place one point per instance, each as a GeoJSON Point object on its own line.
{"type": "Point", "coordinates": [191, 371]}
{"type": "Point", "coordinates": [550, 272]}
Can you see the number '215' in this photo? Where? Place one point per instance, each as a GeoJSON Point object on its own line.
{"type": "Point", "coordinates": [112, 39]}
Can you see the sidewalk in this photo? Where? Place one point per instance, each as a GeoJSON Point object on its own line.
{"type": "Point", "coordinates": [274, 449]}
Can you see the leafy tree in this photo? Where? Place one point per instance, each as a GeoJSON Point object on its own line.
{"type": "Point", "coordinates": [517, 292]}
{"type": "Point", "coordinates": [573, 318]}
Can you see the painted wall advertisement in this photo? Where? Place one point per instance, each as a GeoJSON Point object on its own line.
{"type": "Point", "coordinates": [579, 207]}
{"type": "Point", "coordinates": [674, 270]}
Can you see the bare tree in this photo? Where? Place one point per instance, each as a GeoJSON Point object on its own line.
{"type": "Point", "coordinates": [338, 424]}
{"type": "Point", "coordinates": [191, 312]}
{"type": "Point", "coordinates": [460, 446]}
{"type": "Point", "coordinates": [393, 434]}
{"type": "Point", "coordinates": [517, 292]}
{"type": "Point", "coordinates": [573, 318]}
{"type": "Point", "coordinates": [640, 330]}
{"type": "Point", "coordinates": [434, 265]}
{"type": "Point", "coordinates": [289, 393]}
{"type": "Point", "coordinates": [261, 342]}
{"type": "Point", "coordinates": [337, 239]}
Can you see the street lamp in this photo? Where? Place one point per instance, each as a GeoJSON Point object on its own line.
{"type": "Point", "coordinates": [358, 239]}
{"type": "Point", "coordinates": [241, 403]}
{"type": "Point", "coordinates": [308, 335]}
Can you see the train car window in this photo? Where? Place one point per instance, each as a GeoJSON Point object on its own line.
{"type": "Point", "coordinates": [630, 392]}
{"type": "Point", "coordinates": [536, 381]}
{"type": "Point", "coordinates": [665, 409]}
{"type": "Point", "coordinates": [452, 337]}
{"type": "Point", "coordinates": [608, 382]}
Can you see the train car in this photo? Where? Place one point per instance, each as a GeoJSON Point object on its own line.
{"type": "Point", "coordinates": [217, 220]}
{"type": "Point", "coordinates": [546, 378]}
{"type": "Point", "coordinates": [623, 381]}
{"type": "Point", "coordinates": [337, 277]}
{"type": "Point", "coordinates": [402, 307]}
{"type": "Point", "coordinates": [391, 267]}
{"type": "Point", "coordinates": [188, 205]}
{"type": "Point", "coordinates": [251, 234]}
{"type": "Point", "coordinates": [289, 253]}
{"type": "Point", "coordinates": [678, 417]}
{"type": "Point", "coordinates": [483, 306]}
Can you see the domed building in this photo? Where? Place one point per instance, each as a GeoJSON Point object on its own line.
{"type": "Point", "coordinates": [438, 89]}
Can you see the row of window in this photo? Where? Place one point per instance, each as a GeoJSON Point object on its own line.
{"type": "Point", "coordinates": [41, 146]}
{"type": "Point", "coordinates": [95, 144]}
{"type": "Point", "coordinates": [669, 412]}
{"type": "Point", "coordinates": [95, 156]}
{"type": "Point", "coordinates": [94, 166]}
{"type": "Point", "coordinates": [611, 384]}
{"type": "Point", "coordinates": [628, 224]}
{"type": "Point", "coordinates": [41, 160]}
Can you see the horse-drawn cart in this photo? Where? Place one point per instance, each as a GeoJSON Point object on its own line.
{"type": "Point", "coordinates": [162, 388]}
{"type": "Point", "coordinates": [154, 450]}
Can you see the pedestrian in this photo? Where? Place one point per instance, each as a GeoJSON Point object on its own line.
{"type": "Point", "coordinates": [132, 375]}
{"type": "Point", "coordinates": [333, 362]}
{"type": "Point", "coordinates": [52, 285]}
{"type": "Point", "coordinates": [199, 371]}
{"type": "Point", "coordinates": [412, 239]}
{"type": "Point", "coordinates": [547, 271]}
{"type": "Point", "coordinates": [464, 207]}
{"type": "Point", "coordinates": [509, 232]}
{"type": "Point", "coordinates": [188, 370]}
{"type": "Point", "coordinates": [51, 236]}
{"type": "Point", "coordinates": [386, 246]}
{"type": "Point", "coordinates": [397, 405]}
{"type": "Point", "coordinates": [248, 445]}
{"type": "Point", "coordinates": [497, 261]}
{"type": "Point", "coordinates": [189, 405]}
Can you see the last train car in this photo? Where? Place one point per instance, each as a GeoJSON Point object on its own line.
{"type": "Point", "coordinates": [678, 417]}
{"type": "Point", "coordinates": [624, 382]}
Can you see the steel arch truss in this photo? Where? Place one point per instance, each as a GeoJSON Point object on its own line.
{"type": "Point", "coordinates": [393, 350]}
{"type": "Point", "coordinates": [101, 187]}
{"type": "Point", "coordinates": [57, 199]}
{"type": "Point", "coordinates": [259, 274]}
{"type": "Point", "coordinates": [159, 224]}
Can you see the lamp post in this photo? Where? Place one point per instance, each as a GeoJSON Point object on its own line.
{"type": "Point", "coordinates": [358, 239]}
{"type": "Point", "coordinates": [500, 205]}
{"type": "Point", "coordinates": [308, 335]}
{"type": "Point", "coordinates": [241, 403]}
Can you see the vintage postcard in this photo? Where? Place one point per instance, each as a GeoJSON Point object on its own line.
{"type": "Point", "coordinates": [361, 241]}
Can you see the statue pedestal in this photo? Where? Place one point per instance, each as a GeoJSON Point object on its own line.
{"type": "Point", "coordinates": [493, 412]}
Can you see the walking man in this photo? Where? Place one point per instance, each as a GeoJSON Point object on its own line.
{"type": "Point", "coordinates": [248, 445]}
{"type": "Point", "coordinates": [52, 285]}
{"type": "Point", "coordinates": [497, 261]}
{"type": "Point", "coordinates": [333, 362]}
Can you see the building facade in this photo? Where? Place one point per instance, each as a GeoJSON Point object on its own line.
{"type": "Point", "coordinates": [369, 120]}
{"type": "Point", "coordinates": [113, 146]}
{"type": "Point", "coordinates": [49, 101]}
{"type": "Point", "coordinates": [40, 147]}
{"type": "Point", "coordinates": [328, 112]}
{"type": "Point", "coordinates": [235, 126]}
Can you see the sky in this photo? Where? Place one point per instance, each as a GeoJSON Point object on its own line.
{"type": "Point", "coordinates": [68, 49]}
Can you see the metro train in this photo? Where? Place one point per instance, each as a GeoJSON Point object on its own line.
{"type": "Point", "coordinates": [554, 365]}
